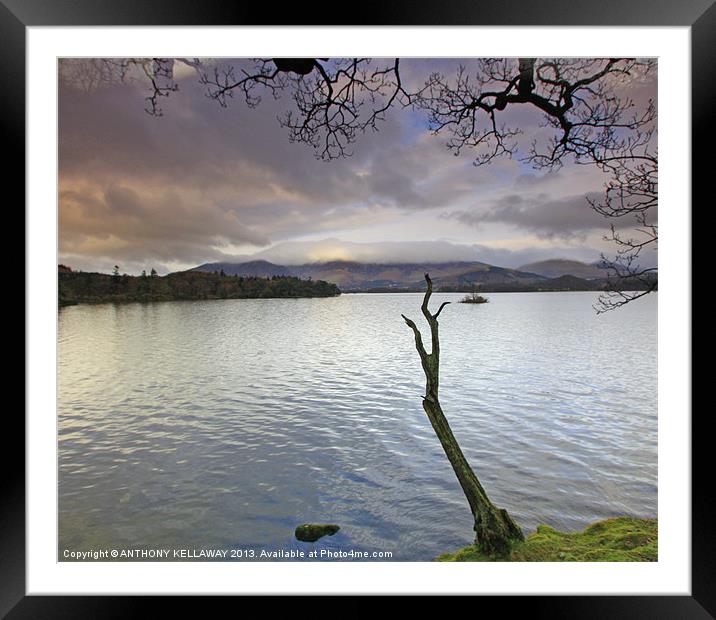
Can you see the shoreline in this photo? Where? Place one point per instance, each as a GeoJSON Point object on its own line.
{"type": "Point", "coordinates": [122, 302]}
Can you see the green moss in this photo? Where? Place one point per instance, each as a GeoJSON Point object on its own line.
{"type": "Point", "coordinates": [622, 539]}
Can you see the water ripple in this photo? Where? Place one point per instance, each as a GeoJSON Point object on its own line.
{"type": "Point", "coordinates": [226, 423]}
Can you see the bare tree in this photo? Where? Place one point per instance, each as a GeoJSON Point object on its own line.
{"type": "Point", "coordinates": [494, 529]}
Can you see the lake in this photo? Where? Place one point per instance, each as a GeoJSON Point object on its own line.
{"type": "Point", "coordinates": [226, 423]}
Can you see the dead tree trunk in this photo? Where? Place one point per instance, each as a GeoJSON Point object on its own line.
{"type": "Point", "coordinates": [494, 528]}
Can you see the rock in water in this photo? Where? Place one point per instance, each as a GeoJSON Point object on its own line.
{"type": "Point", "coordinates": [311, 532]}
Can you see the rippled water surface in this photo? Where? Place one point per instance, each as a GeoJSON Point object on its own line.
{"type": "Point", "coordinates": [224, 424]}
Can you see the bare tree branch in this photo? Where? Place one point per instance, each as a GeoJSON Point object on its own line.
{"type": "Point", "coordinates": [440, 309]}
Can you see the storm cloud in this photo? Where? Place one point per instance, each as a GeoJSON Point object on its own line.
{"type": "Point", "coordinates": [561, 218]}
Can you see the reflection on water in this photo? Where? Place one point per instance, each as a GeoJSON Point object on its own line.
{"type": "Point", "coordinates": [227, 423]}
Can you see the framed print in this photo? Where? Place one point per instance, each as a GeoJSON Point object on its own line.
{"type": "Point", "coordinates": [369, 309]}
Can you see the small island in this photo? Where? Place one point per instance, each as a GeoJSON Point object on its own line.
{"type": "Point", "coordinates": [474, 298]}
{"type": "Point", "coordinates": [75, 287]}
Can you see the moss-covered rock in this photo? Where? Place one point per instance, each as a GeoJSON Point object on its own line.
{"type": "Point", "coordinates": [622, 539]}
{"type": "Point", "coordinates": [311, 532]}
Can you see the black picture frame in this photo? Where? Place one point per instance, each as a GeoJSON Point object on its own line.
{"type": "Point", "coordinates": [699, 15]}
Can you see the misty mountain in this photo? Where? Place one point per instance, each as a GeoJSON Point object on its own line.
{"type": "Point", "coordinates": [557, 267]}
{"type": "Point", "coordinates": [356, 276]}
{"type": "Point", "coordinates": [406, 252]}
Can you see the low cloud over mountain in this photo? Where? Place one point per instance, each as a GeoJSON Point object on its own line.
{"type": "Point", "coordinates": [324, 250]}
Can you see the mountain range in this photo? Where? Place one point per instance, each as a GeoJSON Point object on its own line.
{"type": "Point", "coordinates": [556, 267]}
{"type": "Point", "coordinates": [452, 275]}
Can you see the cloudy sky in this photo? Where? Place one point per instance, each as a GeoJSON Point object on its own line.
{"type": "Point", "coordinates": [204, 183]}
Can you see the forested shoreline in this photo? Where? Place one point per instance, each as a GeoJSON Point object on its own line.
{"type": "Point", "coordinates": [75, 287]}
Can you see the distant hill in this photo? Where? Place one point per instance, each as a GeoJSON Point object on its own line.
{"type": "Point", "coordinates": [557, 267]}
{"type": "Point", "coordinates": [457, 276]}
{"type": "Point", "coordinates": [488, 275]}
{"type": "Point", "coordinates": [262, 279]}
{"type": "Point", "coordinates": [355, 276]}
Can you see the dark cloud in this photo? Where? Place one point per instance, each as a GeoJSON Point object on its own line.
{"type": "Point", "coordinates": [548, 217]}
